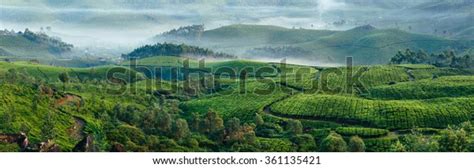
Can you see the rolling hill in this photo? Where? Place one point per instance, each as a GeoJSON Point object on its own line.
{"type": "Point", "coordinates": [28, 44]}
{"type": "Point", "coordinates": [367, 44]}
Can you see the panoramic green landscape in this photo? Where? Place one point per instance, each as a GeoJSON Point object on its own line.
{"type": "Point", "coordinates": [239, 87]}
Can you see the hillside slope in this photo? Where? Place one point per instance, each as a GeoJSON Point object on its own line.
{"type": "Point", "coordinates": [31, 45]}
{"type": "Point", "coordinates": [367, 44]}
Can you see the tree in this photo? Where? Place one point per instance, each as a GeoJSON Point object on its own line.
{"type": "Point", "coordinates": [213, 122]}
{"type": "Point", "coordinates": [333, 143]}
{"type": "Point", "coordinates": [453, 140]}
{"type": "Point", "coordinates": [259, 120]}
{"type": "Point", "coordinates": [304, 142]}
{"type": "Point", "coordinates": [195, 122]}
{"type": "Point", "coordinates": [234, 133]}
{"type": "Point", "coordinates": [164, 121]}
{"type": "Point", "coordinates": [12, 75]}
{"type": "Point", "coordinates": [356, 144]}
{"type": "Point", "coordinates": [232, 125]}
{"type": "Point", "coordinates": [417, 142]}
{"type": "Point", "coordinates": [64, 77]}
{"type": "Point", "coordinates": [149, 122]}
{"type": "Point", "coordinates": [129, 115]}
{"type": "Point", "coordinates": [295, 126]}
{"type": "Point", "coordinates": [181, 129]}
{"type": "Point", "coordinates": [397, 147]}
{"type": "Point", "coordinates": [47, 128]}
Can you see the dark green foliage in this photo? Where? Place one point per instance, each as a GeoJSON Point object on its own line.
{"type": "Point", "coordinates": [168, 49]}
{"type": "Point", "coordinates": [453, 140]}
{"type": "Point", "coordinates": [64, 77]}
{"type": "Point", "coordinates": [444, 59]}
{"type": "Point", "coordinates": [180, 129]}
{"type": "Point", "coordinates": [397, 147]}
{"type": "Point", "coordinates": [320, 134]}
{"type": "Point", "coordinates": [164, 121]}
{"type": "Point", "coordinates": [304, 143]}
{"type": "Point", "coordinates": [362, 132]}
{"type": "Point", "coordinates": [130, 115]}
{"type": "Point", "coordinates": [275, 145]}
{"type": "Point", "coordinates": [416, 142]}
{"type": "Point", "coordinates": [333, 143]}
{"type": "Point", "coordinates": [47, 129]}
{"type": "Point", "coordinates": [195, 121]}
{"type": "Point", "coordinates": [381, 144]}
{"type": "Point", "coordinates": [232, 125]}
{"type": "Point", "coordinates": [295, 127]}
{"type": "Point", "coordinates": [356, 144]}
{"type": "Point", "coordinates": [258, 120]}
{"type": "Point", "coordinates": [212, 122]}
{"type": "Point", "coordinates": [193, 32]}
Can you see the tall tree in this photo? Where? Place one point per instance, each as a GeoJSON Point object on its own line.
{"type": "Point", "coordinates": [47, 128]}
{"type": "Point", "coordinates": [64, 77]}
{"type": "Point", "coordinates": [213, 122]}
{"type": "Point", "coordinates": [164, 121]}
{"type": "Point", "coordinates": [258, 119]}
{"type": "Point", "coordinates": [195, 122]}
{"type": "Point", "coordinates": [180, 129]}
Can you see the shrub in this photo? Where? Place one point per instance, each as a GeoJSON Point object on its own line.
{"type": "Point", "coordinates": [356, 144]}
{"type": "Point", "coordinates": [333, 143]}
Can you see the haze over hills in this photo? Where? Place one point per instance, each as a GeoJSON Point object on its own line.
{"type": "Point", "coordinates": [32, 45]}
{"type": "Point", "coordinates": [109, 23]}
{"type": "Point", "coordinates": [367, 44]}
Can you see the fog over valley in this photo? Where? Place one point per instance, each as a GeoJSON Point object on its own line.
{"type": "Point", "coordinates": [118, 26]}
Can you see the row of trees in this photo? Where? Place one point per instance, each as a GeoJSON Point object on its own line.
{"type": "Point", "coordinates": [169, 49]}
{"type": "Point", "coordinates": [185, 33]}
{"type": "Point", "coordinates": [444, 59]}
{"type": "Point", "coordinates": [55, 45]}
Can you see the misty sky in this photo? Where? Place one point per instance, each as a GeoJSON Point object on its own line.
{"type": "Point", "coordinates": [131, 22]}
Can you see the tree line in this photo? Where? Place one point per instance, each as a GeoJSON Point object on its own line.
{"type": "Point", "coordinates": [169, 49]}
{"type": "Point", "coordinates": [443, 59]}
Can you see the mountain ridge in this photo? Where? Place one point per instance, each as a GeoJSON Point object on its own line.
{"type": "Point", "coordinates": [367, 44]}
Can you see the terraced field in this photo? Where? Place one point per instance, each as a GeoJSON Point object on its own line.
{"type": "Point", "coordinates": [448, 86]}
{"type": "Point", "coordinates": [236, 104]}
{"type": "Point", "coordinates": [394, 114]}
{"type": "Point", "coordinates": [51, 73]}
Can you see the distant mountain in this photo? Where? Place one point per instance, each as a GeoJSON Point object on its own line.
{"type": "Point", "coordinates": [367, 44]}
{"type": "Point", "coordinates": [30, 44]}
{"type": "Point", "coordinates": [443, 5]}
